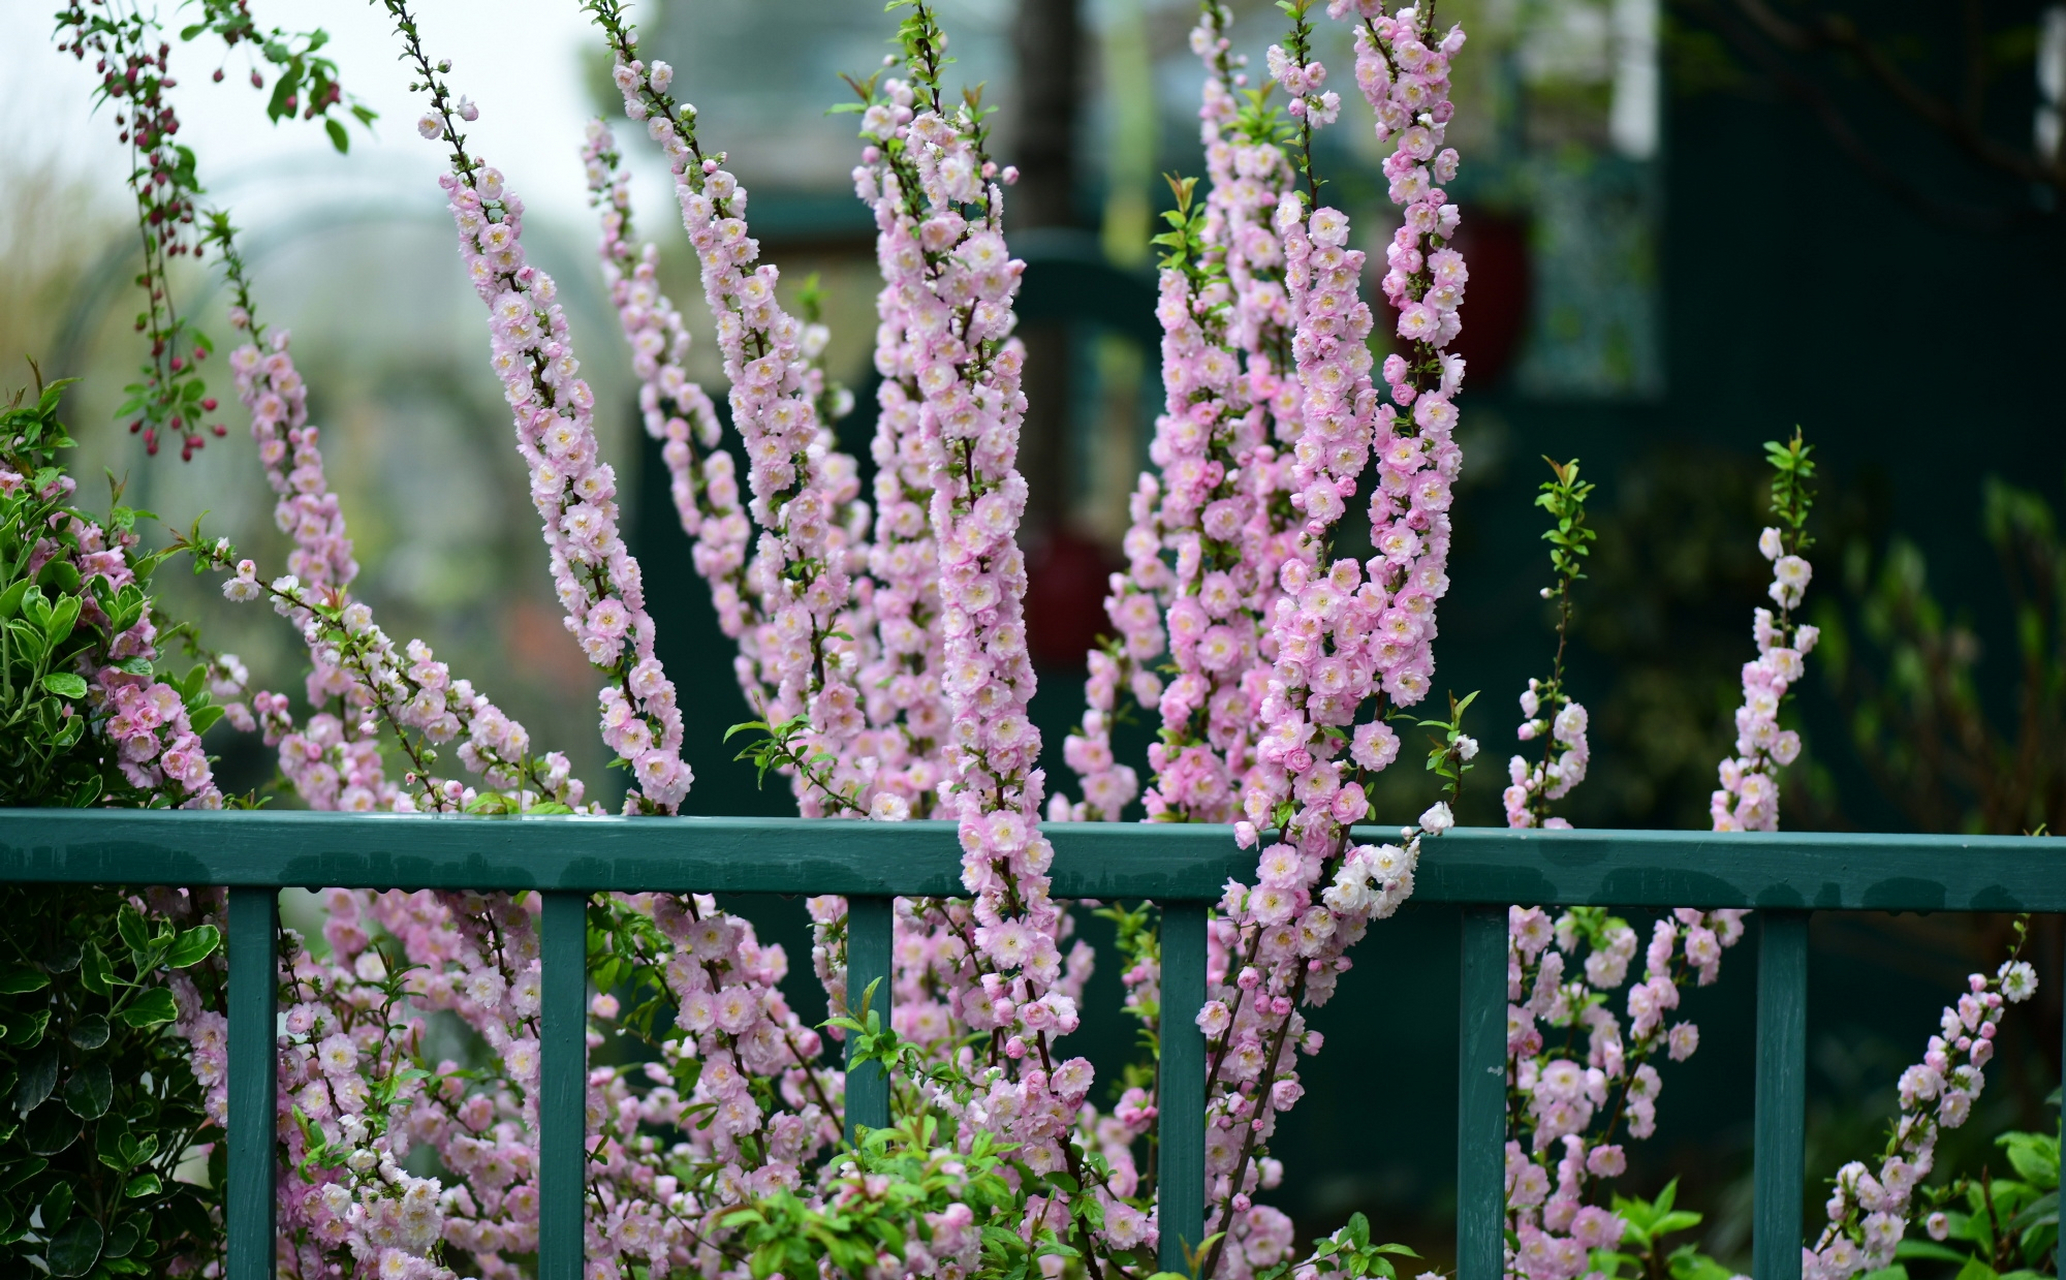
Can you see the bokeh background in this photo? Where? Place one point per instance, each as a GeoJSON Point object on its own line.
{"type": "Point", "coordinates": [1691, 224]}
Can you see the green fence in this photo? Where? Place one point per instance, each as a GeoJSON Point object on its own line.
{"type": "Point", "coordinates": [1182, 868]}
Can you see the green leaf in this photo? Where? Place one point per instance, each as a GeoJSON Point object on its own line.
{"type": "Point", "coordinates": [129, 924]}
{"type": "Point", "coordinates": [203, 718]}
{"type": "Point", "coordinates": [90, 1090]}
{"type": "Point", "coordinates": [153, 1008]}
{"type": "Point", "coordinates": [16, 981]}
{"type": "Point", "coordinates": [65, 684]}
{"type": "Point", "coordinates": [95, 973]}
{"type": "Point", "coordinates": [62, 575]}
{"type": "Point", "coordinates": [57, 1206]}
{"type": "Point", "coordinates": [89, 1032]}
{"type": "Point", "coordinates": [338, 137]}
{"type": "Point", "coordinates": [50, 1129]}
{"type": "Point", "coordinates": [123, 1238]}
{"type": "Point", "coordinates": [1976, 1270]}
{"type": "Point", "coordinates": [63, 618]}
{"type": "Point", "coordinates": [194, 946]}
{"type": "Point", "coordinates": [11, 599]}
{"type": "Point", "coordinates": [1913, 1248]}
{"type": "Point", "coordinates": [74, 1250]}
{"type": "Point", "coordinates": [38, 1078]}
{"type": "Point", "coordinates": [2035, 1156]}
{"type": "Point", "coordinates": [143, 1184]}
{"type": "Point", "coordinates": [21, 1171]}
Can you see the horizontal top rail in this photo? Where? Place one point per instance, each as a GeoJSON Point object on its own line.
{"type": "Point", "coordinates": [1169, 862]}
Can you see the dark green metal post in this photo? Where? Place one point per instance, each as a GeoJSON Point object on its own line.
{"type": "Point", "coordinates": [1481, 1098]}
{"type": "Point", "coordinates": [870, 924]}
{"type": "Point", "coordinates": [1780, 1151]}
{"type": "Point", "coordinates": [254, 925]}
{"type": "Point", "coordinates": [563, 1086]}
{"type": "Point", "coordinates": [1180, 1121]}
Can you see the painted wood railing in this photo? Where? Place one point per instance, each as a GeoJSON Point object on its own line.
{"type": "Point", "coordinates": [1182, 868]}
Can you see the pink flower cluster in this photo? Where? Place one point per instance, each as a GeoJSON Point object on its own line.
{"type": "Point", "coordinates": [348, 1046]}
{"type": "Point", "coordinates": [356, 1092]}
{"type": "Point", "coordinates": [336, 764]}
{"type": "Point", "coordinates": [1869, 1211]}
{"type": "Point", "coordinates": [143, 720]}
{"type": "Point", "coordinates": [155, 744]}
{"type": "Point", "coordinates": [733, 1032]}
{"type": "Point", "coordinates": [956, 330]}
{"type": "Point", "coordinates": [334, 759]}
{"type": "Point", "coordinates": [1566, 1109]}
{"type": "Point", "coordinates": [1323, 636]}
{"type": "Point", "coordinates": [677, 411]}
{"type": "Point", "coordinates": [1564, 758]}
{"type": "Point", "coordinates": [204, 1030]}
{"type": "Point", "coordinates": [597, 579]}
{"type": "Point", "coordinates": [1749, 796]}
{"type": "Point", "coordinates": [803, 491]}
{"type": "Point", "coordinates": [356, 679]}
{"type": "Point", "coordinates": [1206, 537]}
{"type": "Point", "coordinates": [272, 389]}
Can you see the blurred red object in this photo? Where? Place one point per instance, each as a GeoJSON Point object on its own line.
{"type": "Point", "coordinates": [1066, 583]}
{"type": "Point", "coordinates": [1495, 305]}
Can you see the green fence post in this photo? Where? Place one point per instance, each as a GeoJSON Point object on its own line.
{"type": "Point", "coordinates": [1780, 1149]}
{"type": "Point", "coordinates": [1180, 1119]}
{"type": "Point", "coordinates": [563, 1084]}
{"type": "Point", "coordinates": [254, 926]}
{"type": "Point", "coordinates": [1481, 1098]}
{"type": "Point", "coordinates": [870, 925]}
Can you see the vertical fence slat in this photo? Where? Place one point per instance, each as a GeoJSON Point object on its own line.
{"type": "Point", "coordinates": [2059, 1244]}
{"type": "Point", "coordinates": [254, 921]}
{"type": "Point", "coordinates": [1481, 1097]}
{"type": "Point", "coordinates": [1780, 1154]}
{"type": "Point", "coordinates": [1180, 1121]}
{"type": "Point", "coordinates": [870, 924]}
{"type": "Point", "coordinates": [563, 1086]}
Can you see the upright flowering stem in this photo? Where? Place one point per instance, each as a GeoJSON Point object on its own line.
{"type": "Point", "coordinates": [1568, 1109]}
{"type": "Point", "coordinates": [1210, 532]}
{"type": "Point", "coordinates": [939, 212]}
{"type": "Point", "coordinates": [803, 490]}
{"type": "Point", "coordinates": [702, 478]}
{"type": "Point", "coordinates": [1345, 634]}
{"type": "Point", "coordinates": [1553, 715]}
{"type": "Point", "coordinates": [1869, 1212]}
{"type": "Point", "coordinates": [908, 700]}
{"type": "Point", "coordinates": [1749, 796]}
{"type": "Point", "coordinates": [598, 580]}
{"type": "Point", "coordinates": [949, 283]}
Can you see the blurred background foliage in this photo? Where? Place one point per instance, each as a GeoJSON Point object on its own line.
{"type": "Point", "coordinates": [1691, 225]}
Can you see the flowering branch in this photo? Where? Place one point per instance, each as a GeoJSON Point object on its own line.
{"type": "Point", "coordinates": [1749, 796]}
{"type": "Point", "coordinates": [598, 581]}
{"type": "Point", "coordinates": [1564, 748]}
{"type": "Point", "coordinates": [803, 491]}
{"type": "Point", "coordinates": [172, 398]}
{"type": "Point", "coordinates": [1868, 1213]}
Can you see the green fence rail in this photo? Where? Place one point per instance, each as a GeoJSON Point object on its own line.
{"type": "Point", "coordinates": [1182, 868]}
